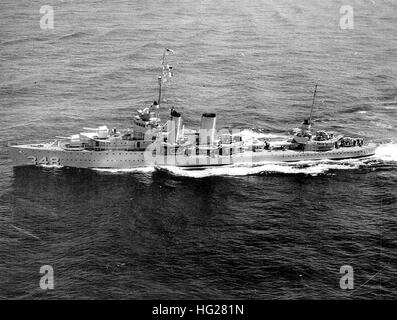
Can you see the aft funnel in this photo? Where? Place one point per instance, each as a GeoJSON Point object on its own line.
{"type": "Point", "coordinates": [207, 128]}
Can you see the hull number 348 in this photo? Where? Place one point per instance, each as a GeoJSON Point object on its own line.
{"type": "Point", "coordinates": [50, 161]}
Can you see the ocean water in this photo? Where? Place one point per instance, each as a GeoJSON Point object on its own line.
{"type": "Point", "coordinates": [273, 231]}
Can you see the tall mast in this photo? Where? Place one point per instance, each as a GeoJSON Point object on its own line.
{"type": "Point", "coordinates": [314, 97]}
{"type": "Point", "coordinates": [160, 82]}
{"type": "Point", "coordinates": [165, 73]}
{"type": "Point", "coordinates": [160, 78]}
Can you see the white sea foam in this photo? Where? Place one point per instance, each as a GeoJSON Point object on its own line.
{"type": "Point", "coordinates": [387, 152]}
{"type": "Point", "coordinates": [51, 166]}
{"type": "Point", "coordinates": [148, 169]}
{"type": "Point", "coordinates": [312, 168]}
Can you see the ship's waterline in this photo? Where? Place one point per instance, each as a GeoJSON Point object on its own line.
{"type": "Point", "coordinates": [30, 155]}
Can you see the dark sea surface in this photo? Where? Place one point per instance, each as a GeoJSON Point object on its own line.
{"type": "Point", "coordinates": [269, 232]}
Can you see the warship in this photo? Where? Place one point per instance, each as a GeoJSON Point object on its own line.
{"type": "Point", "coordinates": [150, 142]}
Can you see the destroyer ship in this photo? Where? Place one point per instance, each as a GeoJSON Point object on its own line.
{"type": "Point", "coordinates": [150, 142]}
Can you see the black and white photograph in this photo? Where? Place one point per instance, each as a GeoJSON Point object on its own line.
{"type": "Point", "coordinates": [198, 150]}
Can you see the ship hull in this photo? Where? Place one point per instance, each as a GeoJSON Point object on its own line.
{"type": "Point", "coordinates": [28, 155]}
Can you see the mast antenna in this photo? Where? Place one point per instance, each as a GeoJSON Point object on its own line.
{"type": "Point", "coordinates": [160, 79]}
{"type": "Point", "coordinates": [166, 72]}
{"type": "Point", "coordinates": [314, 97]}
